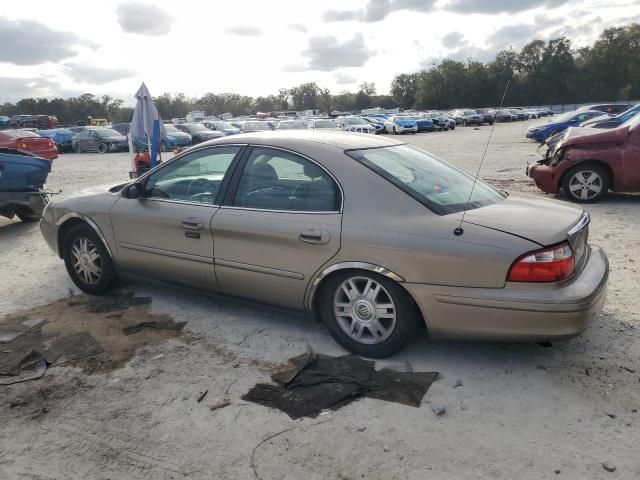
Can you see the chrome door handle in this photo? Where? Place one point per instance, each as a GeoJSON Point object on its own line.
{"type": "Point", "coordinates": [192, 223]}
{"type": "Point", "coordinates": [315, 236]}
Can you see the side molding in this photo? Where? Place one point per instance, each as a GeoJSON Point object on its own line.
{"type": "Point", "coordinates": [89, 222]}
{"type": "Point", "coordinates": [348, 265]}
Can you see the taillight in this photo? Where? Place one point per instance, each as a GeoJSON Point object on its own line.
{"type": "Point", "coordinates": [546, 265]}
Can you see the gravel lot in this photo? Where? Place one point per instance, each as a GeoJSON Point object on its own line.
{"type": "Point", "coordinates": [524, 411]}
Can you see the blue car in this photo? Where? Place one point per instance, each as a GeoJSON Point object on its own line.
{"type": "Point", "coordinates": [62, 137]}
{"type": "Point", "coordinates": [608, 121]}
{"type": "Point", "coordinates": [424, 124]}
{"type": "Point", "coordinates": [540, 133]}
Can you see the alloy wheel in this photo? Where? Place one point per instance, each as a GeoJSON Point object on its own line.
{"type": "Point", "coordinates": [585, 184]}
{"type": "Point", "coordinates": [364, 310]}
{"type": "Point", "coordinates": [87, 263]}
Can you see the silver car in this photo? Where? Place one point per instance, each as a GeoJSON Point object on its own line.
{"type": "Point", "coordinates": [364, 231]}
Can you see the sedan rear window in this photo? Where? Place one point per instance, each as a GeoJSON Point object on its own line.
{"type": "Point", "coordinates": [436, 184]}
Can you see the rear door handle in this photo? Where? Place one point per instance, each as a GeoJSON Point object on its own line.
{"type": "Point", "coordinates": [321, 237]}
{"type": "Point", "coordinates": [192, 223]}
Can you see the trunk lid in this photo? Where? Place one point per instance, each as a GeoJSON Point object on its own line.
{"type": "Point", "coordinates": [542, 221]}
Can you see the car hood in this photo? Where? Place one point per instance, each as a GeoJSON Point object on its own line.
{"type": "Point", "coordinates": [545, 222]}
{"type": "Point", "coordinates": [590, 136]}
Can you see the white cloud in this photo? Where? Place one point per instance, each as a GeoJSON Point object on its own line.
{"type": "Point", "coordinates": [244, 31]}
{"type": "Point", "coordinates": [143, 19]}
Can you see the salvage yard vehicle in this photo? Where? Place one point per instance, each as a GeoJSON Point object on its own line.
{"type": "Point", "coordinates": [99, 139]}
{"type": "Point", "coordinates": [398, 124]}
{"type": "Point", "coordinates": [61, 136]}
{"type": "Point", "coordinates": [611, 108]}
{"type": "Point", "coordinates": [22, 178]}
{"type": "Point", "coordinates": [292, 125]}
{"type": "Point", "coordinates": [612, 121]}
{"type": "Point", "coordinates": [542, 132]}
{"type": "Point", "coordinates": [255, 126]}
{"type": "Point", "coordinates": [323, 124]}
{"type": "Point", "coordinates": [488, 115]}
{"type": "Point", "coordinates": [587, 162]}
{"type": "Point", "coordinates": [29, 142]}
{"type": "Point", "coordinates": [288, 218]}
{"type": "Point", "coordinates": [355, 124]}
{"type": "Point", "coordinates": [221, 126]}
{"type": "Point", "coordinates": [467, 117]}
{"type": "Point", "coordinates": [199, 133]}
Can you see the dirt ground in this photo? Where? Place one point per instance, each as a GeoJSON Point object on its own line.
{"type": "Point", "coordinates": [524, 411]}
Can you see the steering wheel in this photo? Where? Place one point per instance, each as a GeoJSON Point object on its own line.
{"type": "Point", "coordinates": [196, 184]}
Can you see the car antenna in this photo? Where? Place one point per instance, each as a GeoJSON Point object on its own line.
{"type": "Point", "coordinates": [459, 230]}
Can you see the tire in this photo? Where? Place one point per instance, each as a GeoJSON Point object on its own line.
{"type": "Point", "coordinates": [395, 132]}
{"type": "Point", "coordinates": [464, 123]}
{"type": "Point", "coordinates": [76, 148]}
{"type": "Point", "coordinates": [28, 216]}
{"type": "Point", "coordinates": [381, 339]}
{"type": "Point", "coordinates": [163, 147]}
{"type": "Point", "coordinates": [586, 183]}
{"type": "Point", "coordinates": [103, 148]}
{"type": "Point", "coordinates": [92, 282]}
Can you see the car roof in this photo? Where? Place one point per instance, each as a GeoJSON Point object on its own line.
{"type": "Point", "coordinates": [293, 138]}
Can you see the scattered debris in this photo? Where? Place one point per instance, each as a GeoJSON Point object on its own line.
{"type": "Point", "coordinates": [310, 383]}
{"type": "Point", "coordinates": [630, 370]}
{"type": "Point", "coordinates": [609, 467]}
{"type": "Point", "coordinates": [76, 346]}
{"type": "Point", "coordinates": [202, 395]}
{"type": "Point", "coordinates": [386, 448]}
{"type": "Point", "coordinates": [220, 405]}
{"type": "Point", "coordinates": [557, 471]}
{"type": "Point", "coordinates": [167, 324]}
{"type": "Point", "coordinates": [362, 429]}
{"type": "Point", "coordinates": [16, 327]}
{"type": "Point", "coordinates": [39, 413]}
{"type": "Point", "coordinates": [611, 415]}
{"type": "Point", "coordinates": [114, 302]}
{"type": "Point", "coordinates": [457, 384]}
{"type": "Point", "coordinates": [439, 409]}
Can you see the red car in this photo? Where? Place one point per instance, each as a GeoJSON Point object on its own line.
{"type": "Point", "coordinates": [588, 162]}
{"type": "Point", "coordinates": [30, 142]}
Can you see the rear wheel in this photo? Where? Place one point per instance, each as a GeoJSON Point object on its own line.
{"type": "Point", "coordinates": [368, 314]}
{"type": "Point", "coordinates": [103, 148]}
{"type": "Point", "coordinates": [395, 132]}
{"type": "Point", "coordinates": [76, 148]}
{"type": "Point", "coordinates": [464, 123]}
{"type": "Point", "coordinates": [586, 184]}
{"type": "Point", "coordinates": [87, 260]}
{"type": "Point", "coordinates": [163, 147]}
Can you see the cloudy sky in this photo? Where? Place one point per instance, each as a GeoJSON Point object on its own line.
{"type": "Point", "coordinates": [255, 47]}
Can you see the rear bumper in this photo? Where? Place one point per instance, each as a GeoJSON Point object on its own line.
{"type": "Point", "coordinates": [518, 311]}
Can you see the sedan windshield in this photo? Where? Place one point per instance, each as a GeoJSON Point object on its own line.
{"type": "Point", "coordinates": [196, 127]}
{"type": "Point", "coordinates": [355, 121]}
{"type": "Point", "coordinates": [256, 126]}
{"type": "Point", "coordinates": [436, 184]}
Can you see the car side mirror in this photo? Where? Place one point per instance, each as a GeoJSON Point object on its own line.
{"type": "Point", "coordinates": [133, 190]}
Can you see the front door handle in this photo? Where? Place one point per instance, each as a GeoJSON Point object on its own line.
{"type": "Point", "coordinates": [321, 237]}
{"type": "Point", "coordinates": [192, 223]}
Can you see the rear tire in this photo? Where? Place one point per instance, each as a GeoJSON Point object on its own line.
{"type": "Point", "coordinates": [103, 148]}
{"type": "Point", "coordinates": [87, 260]}
{"type": "Point", "coordinates": [464, 123]}
{"type": "Point", "coordinates": [368, 314]}
{"type": "Point", "coordinates": [76, 148]}
{"type": "Point", "coordinates": [395, 132]}
{"type": "Point", "coordinates": [586, 183]}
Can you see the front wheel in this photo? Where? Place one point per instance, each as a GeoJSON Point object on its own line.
{"type": "Point", "coordinates": [87, 260]}
{"type": "Point", "coordinates": [585, 184]}
{"type": "Point", "coordinates": [464, 123]}
{"type": "Point", "coordinates": [368, 314]}
{"type": "Point", "coordinates": [103, 148]}
{"type": "Point", "coordinates": [395, 132]}
{"type": "Point", "coordinates": [76, 148]}
{"type": "Point", "coordinates": [163, 147]}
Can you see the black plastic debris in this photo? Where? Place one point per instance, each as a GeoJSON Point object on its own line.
{"type": "Point", "coordinates": [313, 382]}
{"type": "Point", "coordinates": [76, 346]}
{"type": "Point", "coordinates": [154, 325]}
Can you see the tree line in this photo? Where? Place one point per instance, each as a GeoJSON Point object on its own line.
{"type": "Point", "coordinates": [541, 73]}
